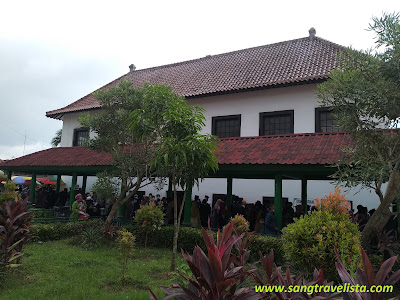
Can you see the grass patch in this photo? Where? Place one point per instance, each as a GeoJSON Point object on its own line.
{"type": "Point", "coordinates": [59, 270]}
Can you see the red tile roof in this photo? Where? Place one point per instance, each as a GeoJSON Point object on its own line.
{"type": "Point", "coordinates": [291, 62]}
{"type": "Point", "coordinates": [293, 149]}
{"type": "Point", "coordinates": [61, 156]}
{"type": "Point", "coordinates": [297, 149]}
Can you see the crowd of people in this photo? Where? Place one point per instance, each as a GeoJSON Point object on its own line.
{"type": "Point", "coordinates": [260, 215]}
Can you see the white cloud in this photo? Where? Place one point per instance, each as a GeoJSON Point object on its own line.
{"type": "Point", "coordinates": [10, 152]}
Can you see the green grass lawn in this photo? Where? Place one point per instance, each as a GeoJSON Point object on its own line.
{"type": "Point", "coordinates": [58, 270]}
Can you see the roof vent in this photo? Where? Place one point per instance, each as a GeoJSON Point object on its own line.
{"type": "Point", "coordinates": [312, 32]}
{"type": "Point", "coordinates": [132, 68]}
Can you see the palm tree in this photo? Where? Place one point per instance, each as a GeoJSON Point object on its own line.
{"type": "Point", "coordinates": [56, 140]}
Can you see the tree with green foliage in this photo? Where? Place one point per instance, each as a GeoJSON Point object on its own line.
{"type": "Point", "coordinates": [364, 95]}
{"type": "Point", "coordinates": [106, 187]}
{"type": "Point", "coordinates": [182, 154]}
{"type": "Point", "coordinates": [131, 152]}
{"type": "Point", "coordinates": [56, 140]}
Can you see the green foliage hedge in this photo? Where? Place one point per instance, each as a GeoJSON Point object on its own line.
{"type": "Point", "coordinates": [42, 213]}
{"type": "Point", "coordinates": [190, 237]}
{"type": "Point", "coordinates": [58, 230]}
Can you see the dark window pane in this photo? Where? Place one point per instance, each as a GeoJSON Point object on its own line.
{"type": "Point", "coordinates": [326, 121]}
{"type": "Point", "coordinates": [80, 136]}
{"type": "Point", "coordinates": [276, 123]}
{"type": "Point", "coordinates": [226, 126]}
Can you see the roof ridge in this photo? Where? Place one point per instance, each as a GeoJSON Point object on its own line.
{"type": "Point", "coordinates": [232, 52]}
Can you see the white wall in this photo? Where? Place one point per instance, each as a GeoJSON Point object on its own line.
{"type": "Point", "coordinates": [301, 99]}
{"type": "Point", "coordinates": [70, 122]}
{"type": "Point", "coordinates": [249, 105]}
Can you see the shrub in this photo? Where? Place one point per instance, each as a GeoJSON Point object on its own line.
{"type": "Point", "coordinates": [126, 243]}
{"type": "Point", "coordinates": [240, 224]}
{"type": "Point", "coordinates": [334, 203]}
{"type": "Point", "coordinates": [149, 218]}
{"type": "Point", "coordinates": [366, 278]}
{"type": "Point", "coordinates": [9, 193]}
{"type": "Point", "coordinates": [108, 231]}
{"type": "Point", "coordinates": [49, 232]}
{"type": "Point", "coordinates": [271, 275]}
{"type": "Point", "coordinates": [309, 242]}
{"type": "Point", "coordinates": [15, 225]}
{"type": "Point", "coordinates": [265, 244]}
{"type": "Point", "coordinates": [42, 213]}
{"type": "Point", "coordinates": [58, 230]}
{"type": "Point", "coordinates": [215, 274]}
{"type": "Point", "coordinates": [90, 237]}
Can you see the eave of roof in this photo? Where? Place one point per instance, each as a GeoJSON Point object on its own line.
{"type": "Point", "coordinates": [254, 156]}
{"type": "Point", "coordinates": [294, 62]}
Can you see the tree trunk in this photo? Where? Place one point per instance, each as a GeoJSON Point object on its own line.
{"type": "Point", "coordinates": [113, 212]}
{"type": "Point", "coordinates": [122, 199]}
{"type": "Point", "coordinates": [175, 239]}
{"type": "Point", "coordinates": [381, 216]}
{"type": "Point", "coordinates": [375, 224]}
{"type": "Point", "coordinates": [177, 221]}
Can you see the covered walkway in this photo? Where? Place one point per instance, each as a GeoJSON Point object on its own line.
{"type": "Point", "coordinates": [293, 156]}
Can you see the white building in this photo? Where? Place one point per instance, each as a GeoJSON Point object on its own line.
{"type": "Point", "coordinates": [261, 91]}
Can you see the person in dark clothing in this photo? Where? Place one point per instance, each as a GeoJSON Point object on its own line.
{"type": "Point", "coordinates": [361, 217]}
{"type": "Point", "coordinates": [288, 213]}
{"type": "Point", "coordinates": [93, 206]}
{"type": "Point", "coordinates": [216, 215]}
{"type": "Point", "coordinates": [63, 198]}
{"type": "Point", "coordinates": [205, 211]}
{"type": "Point", "coordinates": [136, 205]}
{"type": "Point", "coordinates": [270, 222]}
{"type": "Point", "coordinates": [236, 206]}
{"type": "Point", "coordinates": [222, 215]}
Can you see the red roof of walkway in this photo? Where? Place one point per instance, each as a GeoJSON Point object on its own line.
{"type": "Point", "coordinates": [291, 149]}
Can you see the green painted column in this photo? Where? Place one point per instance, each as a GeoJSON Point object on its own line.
{"type": "Point", "coordinates": [229, 197]}
{"type": "Point", "coordinates": [84, 181]}
{"type": "Point", "coordinates": [170, 191]}
{"type": "Point", "coordinates": [9, 175]}
{"type": "Point", "coordinates": [304, 195]}
{"type": "Point", "coordinates": [188, 206]}
{"type": "Point", "coordinates": [72, 194]}
{"type": "Point", "coordinates": [278, 201]}
{"type": "Point", "coordinates": [58, 184]}
{"type": "Point", "coordinates": [32, 193]}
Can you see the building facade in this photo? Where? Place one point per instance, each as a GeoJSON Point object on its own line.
{"type": "Point", "coordinates": [262, 91]}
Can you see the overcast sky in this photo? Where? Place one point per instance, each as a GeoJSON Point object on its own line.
{"type": "Point", "coordinates": [54, 52]}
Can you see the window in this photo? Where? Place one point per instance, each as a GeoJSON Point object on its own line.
{"type": "Point", "coordinates": [324, 120]}
{"type": "Point", "coordinates": [226, 126]}
{"type": "Point", "coordinates": [80, 135]}
{"type": "Point", "coordinates": [276, 122]}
